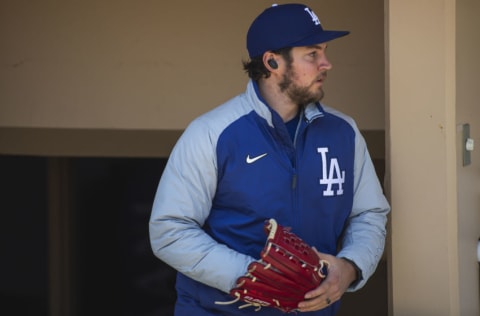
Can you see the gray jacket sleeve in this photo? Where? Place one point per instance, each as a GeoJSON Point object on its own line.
{"type": "Point", "coordinates": [364, 236]}
{"type": "Point", "coordinates": [182, 204]}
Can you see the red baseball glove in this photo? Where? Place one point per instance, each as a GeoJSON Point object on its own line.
{"type": "Point", "coordinates": [288, 269]}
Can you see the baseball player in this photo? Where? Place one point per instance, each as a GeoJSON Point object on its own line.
{"type": "Point", "coordinates": [274, 151]}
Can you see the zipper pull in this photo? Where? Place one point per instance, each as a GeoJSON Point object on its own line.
{"type": "Point", "coordinates": [294, 181]}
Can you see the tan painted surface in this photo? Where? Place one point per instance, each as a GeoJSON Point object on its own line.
{"type": "Point", "coordinates": [435, 219]}
{"type": "Point", "coordinates": [141, 70]}
{"type": "Point", "coordinates": [158, 64]}
{"type": "Point", "coordinates": [468, 181]}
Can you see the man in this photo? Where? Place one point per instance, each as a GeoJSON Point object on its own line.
{"type": "Point", "coordinates": [271, 152]}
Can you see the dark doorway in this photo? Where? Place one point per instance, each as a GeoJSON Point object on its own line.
{"type": "Point", "coordinates": [23, 236]}
{"type": "Point", "coordinates": [111, 267]}
{"type": "Point", "coordinates": [117, 271]}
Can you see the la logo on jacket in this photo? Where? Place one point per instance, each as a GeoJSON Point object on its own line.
{"type": "Point", "coordinates": [331, 174]}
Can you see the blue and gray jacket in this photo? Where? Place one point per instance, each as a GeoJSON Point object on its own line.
{"type": "Point", "coordinates": [236, 166]}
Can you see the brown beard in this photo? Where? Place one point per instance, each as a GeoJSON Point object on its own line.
{"type": "Point", "coordinates": [299, 95]}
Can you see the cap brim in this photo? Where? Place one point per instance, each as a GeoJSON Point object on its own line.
{"type": "Point", "coordinates": [319, 38]}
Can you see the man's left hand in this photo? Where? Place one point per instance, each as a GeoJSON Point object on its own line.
{"type": "Point", "coordinates": [341, 273]}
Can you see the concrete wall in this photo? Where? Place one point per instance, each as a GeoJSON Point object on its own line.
{"type": "Point", "coordinates": [431, 80]}
{"type": "Point", "coordinates": [468, 177]}
{"type": "Point", "coordinates": [156, 65]}
{"type": "Point", "coordinates": [125, 77]}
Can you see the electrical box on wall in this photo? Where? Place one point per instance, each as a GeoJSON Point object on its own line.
{"type": "Point", "coordinates": [467, 145]}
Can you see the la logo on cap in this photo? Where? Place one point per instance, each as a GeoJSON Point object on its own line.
{"type": "Point", "coordinates": [314, 17]}
{"type": "Point", "coordinates": [287, 25]}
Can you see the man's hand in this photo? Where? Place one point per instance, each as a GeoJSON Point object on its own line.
{"type": "Point", "coordinates": [341, 274]}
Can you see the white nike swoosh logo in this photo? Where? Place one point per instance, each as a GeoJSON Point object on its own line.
{"type": "Point", "coordinates": [253, 159]}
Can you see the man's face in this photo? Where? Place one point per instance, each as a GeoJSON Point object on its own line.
{"type": "Point", "coordinates": [303, 78]}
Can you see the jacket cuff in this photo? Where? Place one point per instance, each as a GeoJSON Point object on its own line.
{"type": "Point", "coordinates": [359, 274]}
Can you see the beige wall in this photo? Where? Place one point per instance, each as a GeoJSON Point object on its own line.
{"type": "Point", "coordinates": [421, 126]}
{"type": "Point", "coordinates": [432, 82]}
{"type": "Point", "coordinates": [155, 65]}
{"type": "Point", "coordinates": [136, 72]}
{"type": "Point", "coordinates": [468, 177]}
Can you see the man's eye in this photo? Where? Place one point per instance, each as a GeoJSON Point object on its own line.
{"type": "Point", "coordinates": [313, 54]}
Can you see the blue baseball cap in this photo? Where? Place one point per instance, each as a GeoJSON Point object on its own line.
{"type": "Point", "coordinates": [287, 25]}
